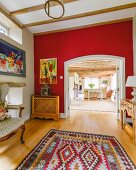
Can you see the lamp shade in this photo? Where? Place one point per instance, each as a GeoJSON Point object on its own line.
{"type": "Point", "coordinates": [131, 81]}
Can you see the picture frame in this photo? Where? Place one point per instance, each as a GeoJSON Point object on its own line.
{"type": "Point", "coordinates": [12, 60]}
{"type": "Point", "coordinates": [46, 90]}
{"type": "Point", "coordinates": [48, 71]}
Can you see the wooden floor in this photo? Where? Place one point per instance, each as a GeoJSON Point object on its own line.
{"type": "Point", "coordinates": [12, 151]}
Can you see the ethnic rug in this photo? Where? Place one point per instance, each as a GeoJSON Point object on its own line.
{"type": "Point", "coordinates": [64, 150]}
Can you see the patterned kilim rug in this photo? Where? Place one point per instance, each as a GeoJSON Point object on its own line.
{"type": "Point", "coordinates": [63, 150]}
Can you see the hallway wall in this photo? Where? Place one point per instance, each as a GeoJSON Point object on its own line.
{"type": "Point", "coordinates": [113, 39]}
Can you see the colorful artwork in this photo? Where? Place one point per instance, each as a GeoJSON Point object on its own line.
{"type": "Point", "coordinates": [12, 60]}
{"type": "Point", "coordinates": [48, 71]}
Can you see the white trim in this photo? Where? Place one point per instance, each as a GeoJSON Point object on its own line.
{"type": "Point", "coordinates": [63, 116]}
{"type": "Point", "coordinates": [90, 57]}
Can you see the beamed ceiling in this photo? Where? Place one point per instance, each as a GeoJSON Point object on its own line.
{"type": "Point", "coordinates": [30, 14]}
{"type": "Point", "coordinates": [93, 68]}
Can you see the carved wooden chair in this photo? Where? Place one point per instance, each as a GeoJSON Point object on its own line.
{"type": "Point", "coordinates": [10, 126]}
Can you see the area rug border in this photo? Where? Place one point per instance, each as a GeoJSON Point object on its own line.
{"type": "Point", "coordinates": [83, 133]}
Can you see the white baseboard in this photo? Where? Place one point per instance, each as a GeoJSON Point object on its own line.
{"type": "Point", "coordinates": [63, 116]}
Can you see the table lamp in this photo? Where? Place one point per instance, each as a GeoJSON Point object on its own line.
{"type": "Point", "coordinates": [131, 82]}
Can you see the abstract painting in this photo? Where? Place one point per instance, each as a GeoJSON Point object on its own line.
{"type": "Point", "coordinates": [12, 60]}
{"type": "Point", "coordinates": [48, 71]}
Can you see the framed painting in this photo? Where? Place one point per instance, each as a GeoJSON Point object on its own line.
{"type": "Point", "coordinates": [12, 60]}
{"type": "Point", "coordinates": [46, 90]}
{"type": "Point", "coordinates": [48, 71]}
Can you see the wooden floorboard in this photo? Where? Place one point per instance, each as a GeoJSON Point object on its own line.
{"type": "Point", "coordinates": [12, 151]}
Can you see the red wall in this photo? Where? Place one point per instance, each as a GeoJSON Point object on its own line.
{"type": "Point", "coordinates": [112, 39]}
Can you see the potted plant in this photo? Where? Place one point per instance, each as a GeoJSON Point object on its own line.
{"type": "Point", "coordinates": [91, 85]}
{"type": "Point", "coordinates": [105, 82]}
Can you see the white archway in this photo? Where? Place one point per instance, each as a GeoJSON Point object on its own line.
{"type": "Point", "coordinates": [121, 61]}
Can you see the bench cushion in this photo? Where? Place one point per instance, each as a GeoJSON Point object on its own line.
{"type": "Point", "coordinates": [9, 125]}
{"type": "Point", "coordinates": [2, 112]}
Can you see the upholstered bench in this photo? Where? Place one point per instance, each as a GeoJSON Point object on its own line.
{"type": "Point", "coordinates": [11, 126]}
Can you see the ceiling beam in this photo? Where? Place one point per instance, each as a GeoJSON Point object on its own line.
{"type": "Point", "coordinates": [92, 63]}
{"type": "Point", "coordinates": [85, 26]}
{"type": "Point", "coordinates": [26, 10]}
{"type": "Point", "coordinates": [86, 14]}
{"type": "Point", "coordinates": [34, 8]}
{"type": "Point", "coordinates": [10, 18]}
{"type": "Point", "coordinates": [81, 70]}
{"type": "Point", "coordinates": [94, 74]}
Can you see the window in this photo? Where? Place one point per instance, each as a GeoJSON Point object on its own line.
{"type": "Point", "coordinates": [4, 29]}
{"type": "Point", "coordinates": [95, 81]}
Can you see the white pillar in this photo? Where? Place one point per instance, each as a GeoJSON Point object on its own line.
{"type": "Point", "coordinates": [134, 44]}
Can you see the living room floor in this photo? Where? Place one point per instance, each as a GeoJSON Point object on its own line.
{"type": "Point", "coordinates": [12, 151]}
{"type": "Point", "coordinates": [96, 105]}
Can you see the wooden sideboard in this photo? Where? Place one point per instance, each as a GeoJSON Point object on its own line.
{"type": "Point", "coordinates": [45, 107]}
{"type": "Point", "coordinates": [128, 124]}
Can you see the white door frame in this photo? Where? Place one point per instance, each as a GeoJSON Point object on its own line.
{"type": "Point", "coordinates": [91, 57]}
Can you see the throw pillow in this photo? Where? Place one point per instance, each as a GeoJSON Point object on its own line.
{"type": "Point", "coordinates": [109, 93]}
{"type": "Point", "coordinates": [5, 117]}
{"type": "Point", "coordinates": [2, 111]}
{"type": "Point", "coordinates": [3, 114]}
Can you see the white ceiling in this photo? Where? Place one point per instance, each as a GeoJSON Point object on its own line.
{"type": "Point", "coordinates": [73, 8]}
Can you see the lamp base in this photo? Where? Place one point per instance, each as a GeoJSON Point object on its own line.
{"type": "Point", "coordinates": [133, 94]}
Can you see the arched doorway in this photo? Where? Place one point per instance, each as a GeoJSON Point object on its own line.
{"type": "Point", "coordinates": [120, 75]}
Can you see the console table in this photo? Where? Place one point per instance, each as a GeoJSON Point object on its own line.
{"type": "Point", "coordinates": [128, 124]}
{"type": "Point", "coordinates": [45, 107]}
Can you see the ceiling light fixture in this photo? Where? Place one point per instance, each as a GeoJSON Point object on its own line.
{"type": "Point", "coordinates": [54, 8]}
